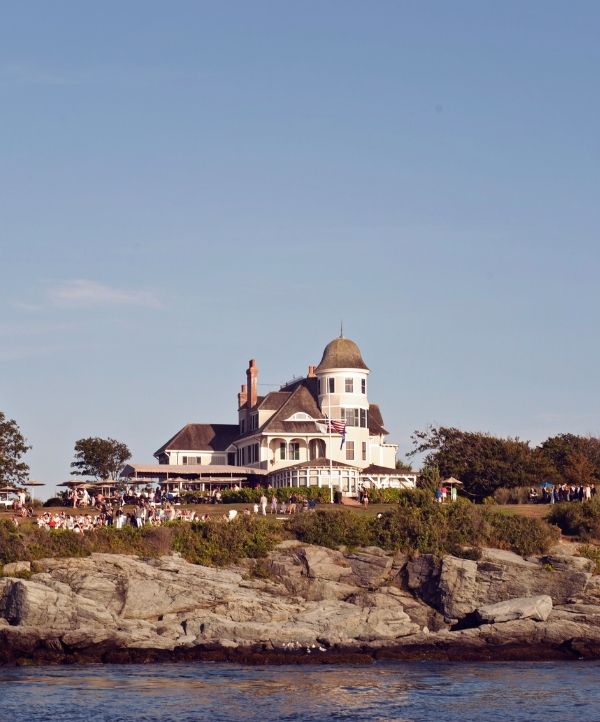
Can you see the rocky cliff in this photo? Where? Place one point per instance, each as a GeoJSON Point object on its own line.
{"type": "Point", "coordinates": [302, 603]}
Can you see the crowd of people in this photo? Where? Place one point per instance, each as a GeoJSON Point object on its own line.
{"type": "Point", "coordinates": [561, 493]}
{"type": "Point", "coordinates": [149, 508]}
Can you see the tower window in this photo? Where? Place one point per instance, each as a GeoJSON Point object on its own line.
{"type": "Point", "coordinates": [331, 385]}
{"type": "Point", "coordinates": [349, 450]}
{"type": "Point", "coordinates": [349, 386]}
{"type": "Point", "coordinates": [363, 386]}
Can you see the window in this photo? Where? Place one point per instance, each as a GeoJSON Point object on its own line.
{"type": "Point", "coordinates": [349, 386]}
{"type": "Point", "coordinates": [242, 426]}
{"type": "Point", "coordinates": [363, 418]}
{"type": "Point", "coordinates": [364, 450]}
{"type": "Point", "coordinates": [191, 459]}
{"type": "Point", "coordinates": [350, 416]}
{"type": "Point", "coordinates": [254, 421]}
{"type": "Point", "coordinates": [363, 386]}
{"type": "Point", "coordinates": [282, 450]}
{"type": "Point", "coordinates": [251, 453]}
{"type": "Point", "coordinates": [331, 385]}
{"type": "Point", "coordinates": [295, 450]}
{"type": "Point", "coordinates": [349, 450]}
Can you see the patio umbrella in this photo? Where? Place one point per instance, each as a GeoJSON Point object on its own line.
{"type": "Point", "coordinates": [8, 490]}
{"type": "Point", "coordinates": [546, 484]}
{"type": "Point", "coordinates": [32, 483]}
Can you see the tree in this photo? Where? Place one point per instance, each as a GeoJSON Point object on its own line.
{"type": "Point", "coordinates": [402, 465]}
{"type": "Point", "coordinates": [12, 447]}
{"type": "Point", "coordinates": [481, 461]}
{"type": "Point", "coordinates": [101, 458]}
{"type": "Point", "coordinates": [571, 459]}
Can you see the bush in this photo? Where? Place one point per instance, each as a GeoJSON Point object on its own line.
{"type": "Point", "coordinates": [252, 496]}
{"type": "Point", "coordinates": [216, 542]}
{"type": "Point", "coordinates": [55, 501]}
{"type": "Point", "coordinates": [591, 552]}
{"type": "Point", "coordinates": [12, 545]}
{"type": "Point", "coordinates": [514, 495]}
{"type": "Point", "coordinates": [332, 528]}
{"type": "Point", "coordinates": [577, 518]}
{"type": "Point", "coordinates": [518, 533]}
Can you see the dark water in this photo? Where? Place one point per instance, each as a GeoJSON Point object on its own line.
{"type": "Point", "coordinates": [392, 691]}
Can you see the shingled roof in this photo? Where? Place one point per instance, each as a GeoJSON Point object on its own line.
{"type": "Point", "coordinates": [376, 421]}
{"type": "Point", "coordinates": [341, 353]}
{"type": "Point", "coordinates": [299, 400]}
{"type": "Point", "coordinates": [201, 437]}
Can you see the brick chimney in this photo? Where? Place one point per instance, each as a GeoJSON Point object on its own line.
{"type": "Point", "coordinates": [252, 384]}
{"type": "Point", "coordinates": [242, 396]}
{"type": "Point", "coordinates": [311, 372]}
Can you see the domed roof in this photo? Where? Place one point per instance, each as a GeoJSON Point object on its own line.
{"type": "Point", "coordinates": [341, 353]}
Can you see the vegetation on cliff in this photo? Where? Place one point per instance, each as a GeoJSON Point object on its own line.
{"type": "Point", "coordinates": [415, 524]}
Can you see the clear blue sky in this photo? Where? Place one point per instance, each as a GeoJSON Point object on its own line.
{"type": "Point", "coordinates": [187, 185]}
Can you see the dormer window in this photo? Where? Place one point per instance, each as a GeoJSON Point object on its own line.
{"type": "Point", "coordinates": [254, 422]}
{"type": "Point", "coordinates": [242, 426]}
{"type": "Point", "coordinates": [300, 416]}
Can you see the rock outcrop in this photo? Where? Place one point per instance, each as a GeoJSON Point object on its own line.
{"type": "Point", "coordinates": [304, 601]}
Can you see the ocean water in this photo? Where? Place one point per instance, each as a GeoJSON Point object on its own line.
{"type": "Point", "coordinates": [415, 691]}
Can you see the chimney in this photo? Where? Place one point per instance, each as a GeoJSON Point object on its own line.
{"type": "Point", "coordinates": [242, 396]}
{"type": "Point", "coordinates": [252, 383]}
{"type": "Point", "coordinates": [311, 372]}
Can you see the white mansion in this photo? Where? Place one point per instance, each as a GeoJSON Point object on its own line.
{"type": "Point", "coordinates": [285, 437]}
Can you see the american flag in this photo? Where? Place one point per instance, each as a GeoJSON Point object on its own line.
{"type": "Point", "coordinates": [338, 427]}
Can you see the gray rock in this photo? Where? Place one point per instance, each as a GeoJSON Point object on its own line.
{"type": "Point", "coordinates": [536, 608]}
{"type": "Point", "coordinates": [15, 568]}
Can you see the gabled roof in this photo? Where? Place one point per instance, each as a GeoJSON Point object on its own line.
{"type": "Point", "coordinates": [201, 437]}
{"type": "Point", "coordinates": [375, 419]}
{"type": "Point", "coordinates": [300, 399]}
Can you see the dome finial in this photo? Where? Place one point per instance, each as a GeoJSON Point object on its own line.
{"type": "Point", "coordinates": [341, 329]}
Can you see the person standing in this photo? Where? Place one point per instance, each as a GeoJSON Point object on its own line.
{"type": "Point", "coordinates": [263, 504]}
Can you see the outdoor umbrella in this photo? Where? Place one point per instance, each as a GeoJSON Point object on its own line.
{"type": "Point", "coordinates": [546, 484]}
{"type": "Point", "coordinates": [31, 483]}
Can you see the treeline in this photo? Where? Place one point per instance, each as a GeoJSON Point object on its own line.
{"type": "Point", "coordinates": [485, 463]}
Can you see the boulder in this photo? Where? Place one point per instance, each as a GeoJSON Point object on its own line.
{"type": "Point", "coordinates": [457, 587]}
{"type": "Point", "coordinates": [12, 568]}
{"type": "Point", "coordinates": [536, 608]}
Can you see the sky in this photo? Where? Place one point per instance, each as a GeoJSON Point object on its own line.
{"type": "Point", "coordinates": [188, 185]}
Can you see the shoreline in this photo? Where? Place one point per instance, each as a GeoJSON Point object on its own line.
{"type": "Point", "coordinates": [303, 604]}
{"type": "Point", "coordinates": [255, 656]}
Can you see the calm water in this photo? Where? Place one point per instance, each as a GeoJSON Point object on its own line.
{"type": "Point", "coordinates": [398, 691]}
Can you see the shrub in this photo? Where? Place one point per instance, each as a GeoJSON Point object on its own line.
{"type": "Point", "coordinates": [55, 501]}
{"type": "Point", "coordinates": [591, 552]}
{"type": "Point", "coordinates": [252, 496]}
{"type": "Point", "coordinates": [576, 518]}
{"type": "Point", "coordinates": [12, 545]}
{"type": "Point", "coordinates": [519, 534]}
{"type": "Point", "coordinates": [217, 542]}
{"type": "Point", "coordinates": [333, 528]}
{"type": "Point", "coordinates": [514, 495]}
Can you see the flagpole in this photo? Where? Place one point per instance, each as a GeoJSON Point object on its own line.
{"type": "Point", "coordinates": [330, 452]}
